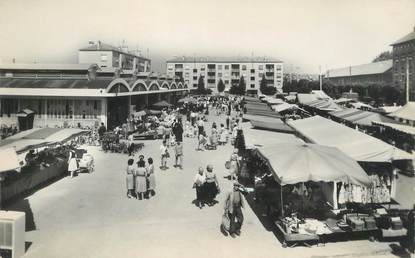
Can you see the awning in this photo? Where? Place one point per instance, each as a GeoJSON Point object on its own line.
{"type": "Point", "coordinates": [296, 163]}
{"type": "Point", "coordinates": [361, 117]}
{"type": "Point", "coordinates": [9, 160]}
{"type": "Point", "coordinates": [406, 112]}
{"type": "Point", "coordinates": [360, 146]}
{"type": "Point", "coordinates": [399, 127]}
{"type": "Point", "coordinates": [255, 138]}
{"type": "Point", "coordinates": [283, 107]}
{"type": "Point", "coordinates": [270, 123]}
{"type": "Point", "coordinates": [25, 112]}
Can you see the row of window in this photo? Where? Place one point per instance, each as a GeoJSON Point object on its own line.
{"type": "Point", "coordinates": [226, 67]}
{"type": "Point", "coordinates": [55, 108]}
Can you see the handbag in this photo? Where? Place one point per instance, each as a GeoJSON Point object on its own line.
{"type": "Point", "coordinates": [226, 222]}
{"type": "Point", "coordinates": [227, 164]}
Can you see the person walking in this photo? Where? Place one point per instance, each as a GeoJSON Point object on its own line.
{"type": "Point", "coordinates": [234, 165]}
{"type": "Point", "coordinates": [164, 151]}
{"type": "Point", "coordinates": [151, 178]}
{"type": "Point", "coordinates": [211, 185]}
{"type": "Point", "coordinates": [233, 207]}
{"type": "Point", "coordinates": [72, 163]}
{"type": "Point", "coordinates": [223, 137]}
{"type": "Point", "coordinates": [201, 141]}
{"type": "Point", "coordinates": [214, 136]}
{"type": "Point", "coordinates": [130, 177]}
{"type": "Point", "coordinates": [178, 130]}
{"type": "Point", "coordinates": [178, 151]}
{"type": "Point", "coordinates": [140, 181]}
{"type": "Point", "coordinates": [198, 184]}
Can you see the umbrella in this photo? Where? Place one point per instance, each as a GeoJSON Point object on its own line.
{"type": "Point", "coordinates": [162, 104]}
{"type": "Point", "coordinates": [296, 163]}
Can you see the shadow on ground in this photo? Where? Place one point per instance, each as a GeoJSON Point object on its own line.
{"type": "Point", "coordinates": [24, 206]}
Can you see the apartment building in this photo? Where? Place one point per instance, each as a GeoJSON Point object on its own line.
{"type": "Point", "coordinates": [229, 70]}
{"type": "Point", "coordinates": [403, 63]}
{"type": "Point", "coordinates": [110, 58]}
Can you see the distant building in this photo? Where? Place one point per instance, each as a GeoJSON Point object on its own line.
{"type": "Point", "coordinates": [109, 58]}
{"type": "Point", "coordinates": [403, 58]}
{"type": "Point", "coordinates": [229, 70]}
{"type": "Point", "coordinates": [379, 73]}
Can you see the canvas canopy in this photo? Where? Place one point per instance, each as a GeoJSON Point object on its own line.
{"type": "Point", "coordinates": [162, 104]}
{"type": "Point", "coordinates": [361, 117]}
{"type": "Point", "coordinates": [359, 146]}
{"type": "Point", "coordinates": [270, 123]}
{"type": "Point", "coordinates": [312, 100]}
{"type": "Point", "coordinates": [406, 112]}
{"type": "Point", "coordinates": [25, 112]}
{"type": "Point", "coordinates": [296, 163]}
{"type": "Point", "coordinates": [39, 137]}
{"type": "Point", "coordinates": [9, 159]}
{"type": "Point", "coordinates": [399, 127]}
{"type": "Point", "coordinates": [274, 101]}
{"type": "Point", "coordinates": [283, 107]}
{"type": "Point", "coordinates": [256, 138]}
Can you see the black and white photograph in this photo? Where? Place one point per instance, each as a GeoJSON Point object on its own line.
{"type": "Point", "coordinates": [207, 129]}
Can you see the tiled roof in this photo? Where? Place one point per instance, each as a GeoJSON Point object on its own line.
{"type": "Point", "coordinates": [191, 59]}
{"type": "Point", "coordinates": [45, 66]}
{"type": "Point", "coordinates": [408, 37]}
{"type": "Point", "coordinates": [364, 69]}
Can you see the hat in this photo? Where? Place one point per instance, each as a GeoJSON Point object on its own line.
{"type": "Point", "coordinates": [141, 156]}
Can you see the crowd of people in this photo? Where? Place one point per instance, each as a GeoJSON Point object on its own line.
{"type": "Point", "coordinates": [140, 177]}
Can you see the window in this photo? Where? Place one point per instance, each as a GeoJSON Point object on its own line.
{"type": "Point", "coordinates": [226, 81]}
{"type": "Point", "coordinates": [178, 66]}
{"type": "Point", "coordinates": [219, 67]}
{"type": "Point", "coordinates": [104, 58]}
{"type": "Point", "coordinates": [194, 78]}
{"type": "Point", "coordinates": [261, 67]}
{"type": "Point", "coordinates": [260, 75]}
{"type": "Point", "coordinates": [252, 78]}
{"type": "Point", "coordinates": [219, 74]}
{"type": "Point", "coordinates": [252, 86]}
{"type": "Point", "coordinates": [194, 85]}
{"type": "Point", "coordinates": [226, 67]}
{"type": "Point", "coordinates": [244, 67]}
{"type": "Point", "coordinates": [252, 70]}
{"type": "Point", "coordinates": [202, 69]}
{"type": "Point", "coordinates": [194, 70]}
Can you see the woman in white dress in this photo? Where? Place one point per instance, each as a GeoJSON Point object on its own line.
{"type": "Point", "coordinates": [223, 139]}
{"type": "Point", "coordinates": [72, 163]}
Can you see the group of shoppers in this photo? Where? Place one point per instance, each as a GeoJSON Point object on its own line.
{"type": "Point", "coordinates": [207, 186]}
{"type": "Point", "coordinates": [140, 179]}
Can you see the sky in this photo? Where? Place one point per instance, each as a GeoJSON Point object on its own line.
{"type": "Point", "coordinates": [304, 34]}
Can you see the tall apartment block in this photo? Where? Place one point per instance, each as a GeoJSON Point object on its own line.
{"type": "Point", "coordinates": [229, 70]}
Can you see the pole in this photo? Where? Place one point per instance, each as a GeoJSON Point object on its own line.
{"type": "Point", "coordinates": [282, 203]}
{"type": "Point", "coordinates": [407, 80]}
{"type": "Point", "coordinates": [321, 79]}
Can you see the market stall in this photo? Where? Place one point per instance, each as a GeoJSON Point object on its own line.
{"type": "Point", "coordinates": [306, 176]}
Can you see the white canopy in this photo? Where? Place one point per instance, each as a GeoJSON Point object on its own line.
{"type": "Point", "coordinates": [406, 112]}
{"type": "Point", "coordinates": [296, 163]}
{"type": "Point", "coordinates": [360, 146]}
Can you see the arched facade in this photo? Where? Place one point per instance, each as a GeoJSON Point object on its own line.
{"type": "Point", "coordinates": [165, 85]}
{"type": "Point", "coordinates": [139, 85]}
{"type": "Point", "coordinates": [117, 86]}
{"type": "Point", "coordinates": [154, 86]}
{"type": "Point", "coordinates": [173, 85]}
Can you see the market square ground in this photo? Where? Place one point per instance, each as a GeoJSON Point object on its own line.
{"type": "Point", "coordinates": [90, 215]}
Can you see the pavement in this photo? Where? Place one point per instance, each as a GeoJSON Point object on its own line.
{"type": "Point", "coordinates": [91, 216]}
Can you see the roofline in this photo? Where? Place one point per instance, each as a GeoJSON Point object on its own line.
{"type": "Point", "coordinates": [235, 62]}
{"type": "Point", "coordinates": [115, 50]}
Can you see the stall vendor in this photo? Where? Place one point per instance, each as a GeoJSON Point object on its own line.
{"type": "Point", "coordinates": [30, 158]}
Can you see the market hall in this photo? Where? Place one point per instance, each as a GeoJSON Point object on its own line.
{"type": "Point", "coordinates": [78, 95]}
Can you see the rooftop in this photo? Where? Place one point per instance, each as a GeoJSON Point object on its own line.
{"type": "Point", "coordinates": [364, 69]}
{"type": "Point", "coordinates": [208, 59]}
{"type": "Point", "coordinates": [408, 37]}
{"type": "Point", "coordinates": [99, 46]}
{"type": "Point", "coordinates": [45, 66]}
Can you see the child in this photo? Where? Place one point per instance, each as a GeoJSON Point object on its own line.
{"type": "Point", "coordinates": [178, 150]}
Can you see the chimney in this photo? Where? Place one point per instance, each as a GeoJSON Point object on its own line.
{"type": "Point", "coordinates": [99, 45]}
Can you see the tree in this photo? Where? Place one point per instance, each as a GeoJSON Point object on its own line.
{"type": "Point", "coordinates": [201, 85]}
{"type": "Point", "coordinates": [265, 89]}
{"type": "Point", "coordinates": [221, 86]}
{"type": "Point", "coordinates": [386, 55]}
{"type": "Point", "coordinates": [242, 86]}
